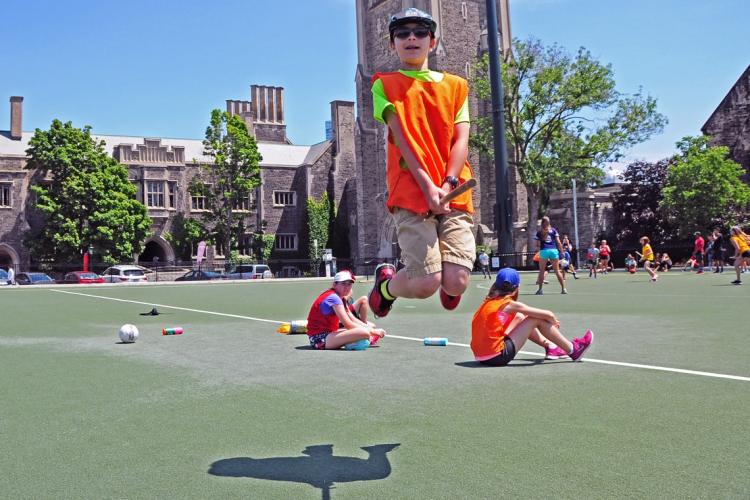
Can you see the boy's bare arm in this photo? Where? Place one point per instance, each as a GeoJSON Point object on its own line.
{"type": "Point", "coordinates": [431, 192]}
{"type": "Point", "coordinates": [533, 312]}
{"type": "Point", "coordinates": [459, 151]}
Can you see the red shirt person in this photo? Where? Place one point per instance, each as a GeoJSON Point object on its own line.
{"type": "Point", "coordinates": [698, 250]}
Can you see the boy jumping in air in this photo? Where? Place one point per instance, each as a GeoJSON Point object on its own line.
{"type": "Point", "coordinates": [428, 136]}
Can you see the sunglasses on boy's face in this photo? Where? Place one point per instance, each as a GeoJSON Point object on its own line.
{"type": "Point", "coordinates": [403, 33]}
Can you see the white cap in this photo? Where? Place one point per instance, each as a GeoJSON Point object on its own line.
{"type": "Point", "coordinates": [343, 276]}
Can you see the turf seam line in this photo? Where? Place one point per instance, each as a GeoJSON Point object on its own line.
{"type": "Point", "coordinates": [458, 344]}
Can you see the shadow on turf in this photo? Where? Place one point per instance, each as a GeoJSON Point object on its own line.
{"type": "Point", "coordinates": [515, 363]}
{"type": "Point", "coordinates": [320, 468]}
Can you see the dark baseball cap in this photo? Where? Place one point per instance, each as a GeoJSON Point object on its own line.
{"type": "Point", "coordinates": [507, 279]}
{"type": "Point", "coordinates": [412, 15]}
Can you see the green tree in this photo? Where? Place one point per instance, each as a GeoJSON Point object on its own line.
{"type": "Point", "coordinates": [636, 208]}
{"type": "Point", "coordinates": [704, 188]}
{"type": "Point", "coordinates": [230, 180]}
{"type": "Point", "coordinates": [564, 119]}
{"type": "Point", "coordinates": [263, 243]}
{"type": "Point", "coordinates": [318, 223]}
{"type": "Point", "coordinates": [89, 201]}
{"type": "Point", "coordinates": [184, 236]}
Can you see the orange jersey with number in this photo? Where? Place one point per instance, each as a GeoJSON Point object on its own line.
{"type": "Point", "coordinates": [488, 327]}
{"type": "Point", "coordinates": [426, 111]}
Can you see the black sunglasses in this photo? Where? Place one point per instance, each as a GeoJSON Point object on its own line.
{"type": "Point", "coordinates": [403, 33]}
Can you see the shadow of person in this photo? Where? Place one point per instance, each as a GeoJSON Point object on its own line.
{"type": "Point", "coordinates": [515, 363]}
{"type": "Point", "coordinates": [320, 468]}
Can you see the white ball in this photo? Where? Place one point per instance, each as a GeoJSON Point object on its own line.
{"type": "Point", "coordinates": [128, 333]}
{"type": "Point", "coordinates": [564, 263]}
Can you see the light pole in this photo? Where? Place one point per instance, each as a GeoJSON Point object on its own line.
{"type": "Point", "coordinates": [575, 220]}
{"type": "Point", "coordinates": [502, 203]}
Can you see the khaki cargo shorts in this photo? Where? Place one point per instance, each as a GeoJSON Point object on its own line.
{"type": "Point", "coordinates": [427, 242]}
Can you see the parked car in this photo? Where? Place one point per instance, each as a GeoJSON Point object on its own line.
{"type": "Point", "coordinates": [83, 277]}
{"type": "Point", "coordinates": [3, 277]}
{"type": "Point", "coordinates": [249, 271]}
{"type": "Point", "coordinates": [34, 279]}
{"type": "Point", "coordinates": [199, 275]}
{"type": "Point", "coordinates": [124, 274]}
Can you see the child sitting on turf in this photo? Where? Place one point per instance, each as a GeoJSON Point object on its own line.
{"type": "Point", "coordinates": [328, 311]}
{"type": "Point", "coordinates": [631, 264]}
{"type": "Point", "coordinates": [427, 115]}
{"type": "Point", "coordinates": [502, 325]}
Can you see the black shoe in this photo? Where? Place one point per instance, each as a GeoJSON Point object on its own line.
{"type": "Point", "coordinates": [737, 282]}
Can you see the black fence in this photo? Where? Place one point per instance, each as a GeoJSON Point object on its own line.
{"type": "Point", "coordinates": [365, 267]}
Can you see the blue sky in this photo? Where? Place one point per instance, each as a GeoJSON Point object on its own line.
{"type": "Point", "coordinates": [158, 68]}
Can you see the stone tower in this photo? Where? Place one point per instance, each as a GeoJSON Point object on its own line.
{"type": "Point", "coordinates": [462, 38]}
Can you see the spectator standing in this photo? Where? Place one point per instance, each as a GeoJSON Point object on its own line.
{"type": "Point", "coordinates": [699, 250]}
{"type": "Point", "coordinates": [719, 251]}
{"type": "Point", "coordinates": [484, 264]}
{"type": "Point", "coordinates": [11, 275]}
{"type": "Point", "coordinates": [604, 252]}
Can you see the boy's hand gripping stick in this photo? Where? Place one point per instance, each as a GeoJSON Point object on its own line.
{"type": "Point", "coordinates": [460, 189]}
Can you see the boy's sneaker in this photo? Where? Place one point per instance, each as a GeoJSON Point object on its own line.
{"type": "Point", "coordinates": [379, 305]}
{"type": "Point", "coordinates": [655, 278]}
{"type": "Point", "coordinates": [539, 292]}
{"type": "Point", "coordinates": [555, 353]}
{"type": "Point", "coordinates": [581, 345]}
{"type": "Point", "coordinates": [450, 302]}
{"type": "Point", "coordinates": [564, 291]}
{"type": "Point", "coordinates": [737, 282]}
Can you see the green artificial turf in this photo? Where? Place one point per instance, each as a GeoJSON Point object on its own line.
{"type": "Point", "coordinates": [232, 409]}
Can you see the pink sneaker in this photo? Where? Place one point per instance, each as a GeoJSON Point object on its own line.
{"type": "Point", "coordinates": [555, 353]}
{"type": "Point", "coordinates": [581, 345]}
{"type": "Point", "coordinates": [449, 302]}
{"type": "Point", "coordinates": [374, 338]}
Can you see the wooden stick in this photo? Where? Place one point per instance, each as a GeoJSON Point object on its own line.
{"type": "Point", "coordinates": [460, 189]}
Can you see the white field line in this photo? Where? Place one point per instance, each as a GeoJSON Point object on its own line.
{"type": "Point", "coordinates": [604, 294]}
{"type": "Point", "coordinates": [588, 360]}
{"type": "Point", "coordinates": [165, 306]}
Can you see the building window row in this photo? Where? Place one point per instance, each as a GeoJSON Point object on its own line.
{"type": "Point", "coordinates": [161, 194]}
{"type": "Point", "coordinates": [284, 198]}
{"type": "Point", "coordinates": [286, 242]}
{"type": "Point", "coordinates": [5, 200]}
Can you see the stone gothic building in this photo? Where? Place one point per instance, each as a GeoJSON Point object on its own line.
{"type": "Point", "coordinates": [162, 169]}
{"type": "Point", "coordinates": [729, 124]}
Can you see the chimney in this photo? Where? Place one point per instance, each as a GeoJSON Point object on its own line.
{"type": "Point", "coordinates": [16, 117]}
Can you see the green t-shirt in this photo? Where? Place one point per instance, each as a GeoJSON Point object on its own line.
{"type": "Point", "coordinates": [380, 102]}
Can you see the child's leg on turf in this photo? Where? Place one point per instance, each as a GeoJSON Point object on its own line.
{"type": "Point", "coordinates": [647, 267]}
{"type": "Point", "coordinates": [558, 273]}
{"type": "Point", "coordinates": [337, 339]}
{"type": "Point", "coordinates": [361, 308]}
{"type": "Point", "coordinates": [526, 328]}
{"type": "Point", "coordinates": [542, 271]}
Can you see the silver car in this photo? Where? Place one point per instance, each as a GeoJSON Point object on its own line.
{"type": "Point", "coordinates": [124, 274]}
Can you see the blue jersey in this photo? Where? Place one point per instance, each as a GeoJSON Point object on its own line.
{"type": "Point", "coordinates": [550, 241]}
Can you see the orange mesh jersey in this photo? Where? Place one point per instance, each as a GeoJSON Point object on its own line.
{"type": "Point", "coordinates": [426, 111]}
{"type": "Point", "coordinates": [488, 327]}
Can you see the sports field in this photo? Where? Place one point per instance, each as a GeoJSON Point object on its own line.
{"type": "Point", "coordinates": [231, 409]}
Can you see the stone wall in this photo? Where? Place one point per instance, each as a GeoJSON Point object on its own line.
{"type": "Point", "coordinates": [729, 124]}
{"type": "Point", "coordinates": [595, 216]}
